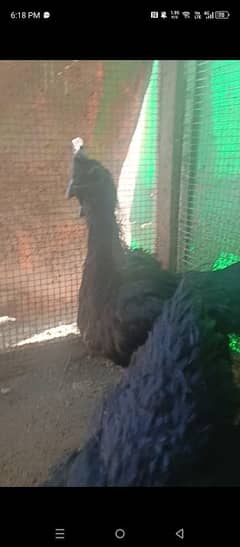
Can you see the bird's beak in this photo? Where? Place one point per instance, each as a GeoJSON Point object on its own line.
{"type": "Point", "coordinates": [70, 193]}
{"type": "Point", "coordinates": [70, 190]}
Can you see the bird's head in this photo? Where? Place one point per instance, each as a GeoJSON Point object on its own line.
{"type": "Point", "coordinates": [92, 184]}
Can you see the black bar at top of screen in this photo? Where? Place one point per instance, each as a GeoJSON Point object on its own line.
{"type": "Point", "coordinates": [98, 33]}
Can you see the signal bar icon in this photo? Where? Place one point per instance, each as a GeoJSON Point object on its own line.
{"type": "Point", "coordinates": [59, 533]}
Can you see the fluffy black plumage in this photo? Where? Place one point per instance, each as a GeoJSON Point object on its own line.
{"type": "Point", "coordinates": [166, 422]}
{"type": "Point", "coordinates": [123, 291]}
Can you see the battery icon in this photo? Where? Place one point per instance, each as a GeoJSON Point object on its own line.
{"type": "Point", "coordinates": [222, 14]}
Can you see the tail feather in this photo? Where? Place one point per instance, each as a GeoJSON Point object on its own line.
{"type": "Point", "coordinates": [179, 389]}
{"type": "Point", "coordinates": [178, 395]}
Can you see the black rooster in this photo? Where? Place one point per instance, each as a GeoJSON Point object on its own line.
{"type": "Point", "coordinates": [122, 290]}
{"type": "Point", "coordinates": [169, 422]}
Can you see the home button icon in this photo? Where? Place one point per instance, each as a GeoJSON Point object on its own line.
{"type": "Point", "coordinates": [120, 533]}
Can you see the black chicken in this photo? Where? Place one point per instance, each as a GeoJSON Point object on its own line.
{"type": "Point", "coordinates": [122, 290]}
{"type": "Point", "coordinates": [169, 422]}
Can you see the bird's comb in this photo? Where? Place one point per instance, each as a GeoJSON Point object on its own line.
{"type": "Point", "coordinates": [77, 144]}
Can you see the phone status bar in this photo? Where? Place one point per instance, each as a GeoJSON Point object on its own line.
{"type": "Point", "coordinates": [169, 15]}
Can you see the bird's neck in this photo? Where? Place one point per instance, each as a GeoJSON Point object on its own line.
{"type": "Point", "coordinates": [104, 242]}
{"type": "Point", "coordinates": [104, 259]}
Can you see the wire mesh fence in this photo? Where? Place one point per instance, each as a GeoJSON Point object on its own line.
{"type": "Point", "coordinates": [209, 220]}
{"type": "Point", "coordinates": [112, 106]}
{"type": "Point", "coordinates": [115, 107]}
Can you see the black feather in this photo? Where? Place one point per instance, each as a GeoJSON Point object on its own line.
{"type": "Point", "coordinates": [169, 415]}
{"type": "Point", "coordinates": [123, 291]}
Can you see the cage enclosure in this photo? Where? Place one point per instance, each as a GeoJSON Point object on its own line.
{"type": "Point", "coordinates": [169, 133]}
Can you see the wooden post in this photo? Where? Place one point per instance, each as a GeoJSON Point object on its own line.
{"type": "Point", "coordinates": [169, 147]}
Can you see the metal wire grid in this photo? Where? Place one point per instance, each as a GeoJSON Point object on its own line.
{"type": "Point", "coordinates": [43, 245]}
{"type": "Point", "coordinates": [209, 220]}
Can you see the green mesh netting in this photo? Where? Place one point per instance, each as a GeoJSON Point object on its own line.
{"type": "Point", "coordinates": [209, 219]}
